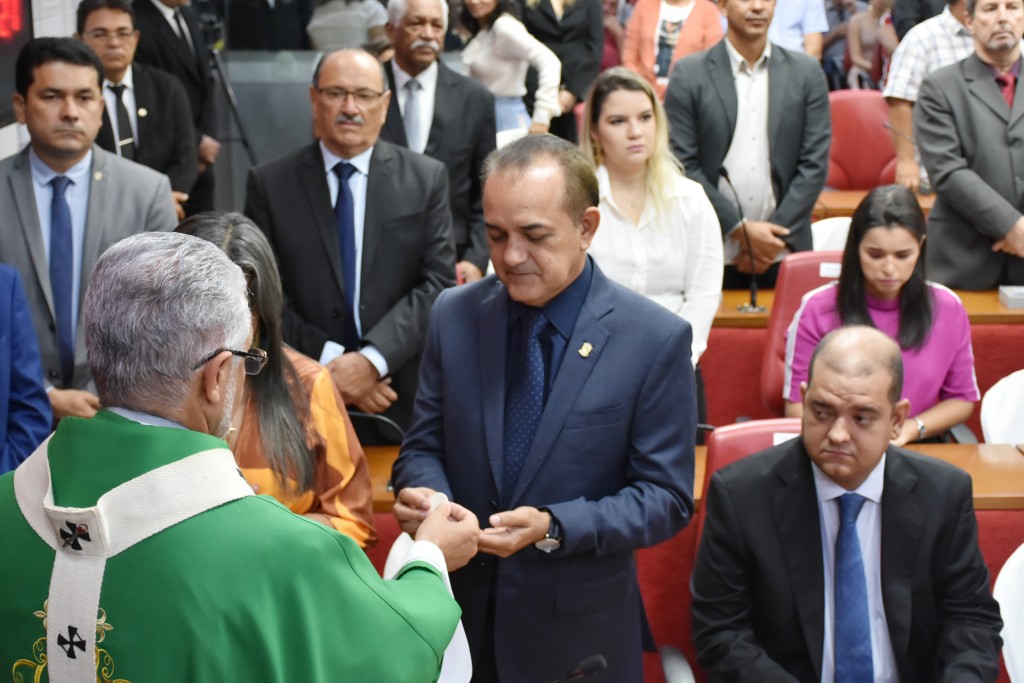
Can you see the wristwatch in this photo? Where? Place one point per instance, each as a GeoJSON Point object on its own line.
{"type": "Point", "coordinates": [553, 540]}
{"type": "Point", "coordinates": [920, 427]}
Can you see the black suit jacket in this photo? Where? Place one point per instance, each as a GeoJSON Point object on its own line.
{"type": "Point", "coordinates": [701, 104]}
{"type": "Point", "coordinates": [166, 141]}
{"type": "Point", "coordinates": [255, 25]}
{"type": "Point", "coordinates": [160, 46]}
{"type": "Point", "coordinates": [577, 39]}
{"type": "Point", "coordinates": [408, 255]}
{"type": "Point", "coordinates": [462, 134]}
{"type": "Point", "coordinates": [906, 14]}
{"type": "Point", "coordinates": [758, 584]}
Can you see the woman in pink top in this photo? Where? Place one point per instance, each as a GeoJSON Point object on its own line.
{"type": "Point", "coordinates": [882, 284]}
{"type": "Point", "coordinates": [661, 32]}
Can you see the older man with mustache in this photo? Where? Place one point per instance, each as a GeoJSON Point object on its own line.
{"type": "Point", "coordinates": [363, 235]}
{"type": "Point", "coordinates": [431, 103]}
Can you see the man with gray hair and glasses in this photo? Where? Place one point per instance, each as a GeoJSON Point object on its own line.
{"type": "Point", "coordinates": [143, 554]}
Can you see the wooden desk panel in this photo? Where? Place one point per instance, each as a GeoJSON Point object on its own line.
{"type": "Point", "coordinates": [983, 308]}
{"type": "Point", "coordinates": [832, 203]}
{"type": "Point", "coordinates": [997, 472]}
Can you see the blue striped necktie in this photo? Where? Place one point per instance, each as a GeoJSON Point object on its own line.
{"type": "Point", "coordinates": [61, 274]}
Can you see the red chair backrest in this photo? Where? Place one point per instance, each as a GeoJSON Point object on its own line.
{"type": "Point", "coordinates": [798, 274]}
{"type": "Point", "coordinates": [861, 156]}
{"type": "Point", "coordinates": [733, 442]}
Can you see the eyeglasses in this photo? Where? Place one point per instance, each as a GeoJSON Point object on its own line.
{"type": "Point", "coordinates": [103, 34]}
{"type": "Point", "coordinates": [254, 358]}
{"type": "Point", "coordinates": [364, 97]}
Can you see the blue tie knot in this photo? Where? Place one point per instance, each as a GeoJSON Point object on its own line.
{"type": "Point", "coordinates": [344, 170]}
{"type": "Point", "coordinates": [534, 322]}
{"type": "Point", "coordinates": [850, 505]}
{"type": "Point", "coordinates": [60, 185]}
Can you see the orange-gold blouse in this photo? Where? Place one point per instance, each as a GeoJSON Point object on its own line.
{"type": "Point", "coordinates": [342, 496]}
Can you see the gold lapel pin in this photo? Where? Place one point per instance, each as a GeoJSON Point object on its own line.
{"type": "Point", "coordinates": [97, 176]}
{"type": "Point", "coordinates": [586, 349]}
{"type": "Point", "coordinates": [143, 111]}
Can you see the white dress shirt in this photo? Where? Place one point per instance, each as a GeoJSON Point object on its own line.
{"type": "Point", "coordinates": [77, 197]}
{"type": "Point", "coordinates": [128, 97]}
{"type": "Point", "coordinates": [428, 91]}
{"type": "Point", "coordinates": [357, 183]}
{"type": "Point", "coordinates": [749, 158]}
{"type": "Point", "coordinates": [869, 532]}
{"type": "Point", "coordinates": [673, 255]}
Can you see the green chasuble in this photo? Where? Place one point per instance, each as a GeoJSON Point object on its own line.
{"type": "Point", "coordinates": [246, 591]}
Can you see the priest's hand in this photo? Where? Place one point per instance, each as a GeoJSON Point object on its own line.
{"type": "Point", "coordinates": [454, 530]}
{"type": "Point", "coordinates": [411, 507]}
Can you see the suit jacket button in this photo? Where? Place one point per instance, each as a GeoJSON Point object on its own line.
{"type": "Point", "coordinates": [494, 504]}
{"type": "Point", "coordinates": [53, 374]}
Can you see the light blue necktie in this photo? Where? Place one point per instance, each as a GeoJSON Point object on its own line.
{"type": "Point", "coordinates": [852, 621]}
{"type": "Point", "coordinates": [411, 119]}
{"type": "Point", "coordinates": [61, 274]}
{"type": "Point", "coordinates": [525, 400]}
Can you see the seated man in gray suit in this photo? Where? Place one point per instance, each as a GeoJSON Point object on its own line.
{"type": "Point", "coordinates": [838, 557]}
{"type": "Point", "coordinates": [749, 120]}
{"type": "Point", "coordinates": [969, 129]}
{"type": "Point", "coordinates": [65, 201]}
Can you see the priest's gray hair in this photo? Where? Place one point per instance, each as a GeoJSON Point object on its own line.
{"type": "Point", "coordinates": [160, 303]}
{"type": "Point", "coordinates": [397, 9]}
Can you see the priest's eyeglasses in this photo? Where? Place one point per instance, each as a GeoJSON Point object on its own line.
{"type": "Point", "coordinates": [254, 359]}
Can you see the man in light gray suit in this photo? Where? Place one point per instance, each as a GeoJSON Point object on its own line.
{"type": "Point", "coordinates": [749, 121]}
{"type": "Point", "coordinates": [969, 127]}
{"type": "Point", "coordinates": [64, 202]}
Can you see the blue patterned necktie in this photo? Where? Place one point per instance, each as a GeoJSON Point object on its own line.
{"type": "Point", "coordinates": [852, 621]}
{"type": "Point", "coordinates": [525, 400]}
{"type": "Point", "coordinates": [344, 217]}
{"type": "Point", "coordinates": [61, 273]}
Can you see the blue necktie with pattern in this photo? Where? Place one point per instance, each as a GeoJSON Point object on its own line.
{"type": "Point", "coordinates": [524, 402]}
{"type": "Point", "coordinates": [852, 621]}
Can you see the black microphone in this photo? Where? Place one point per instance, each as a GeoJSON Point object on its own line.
{"type": "Point", "coordinates": [588, 667]}
{"type": "Point", "coordinates": [751, 307]}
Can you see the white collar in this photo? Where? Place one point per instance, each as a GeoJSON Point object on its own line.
{"type": "Point", "coordinates": [737, 61]}
{"type": "Point", "coordinates": [427, 77]}
{"type": "Point", "coordinates": [360, 161]}
{"type": "Point", "coordinates": [127, 81]}
{"type": "Point", "coordinates": [167, 12]}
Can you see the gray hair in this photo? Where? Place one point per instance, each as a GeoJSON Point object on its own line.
{"type": "Point", "coordinates": [159, 303]}
{"type": "Point", "coordinates": [397, 8]}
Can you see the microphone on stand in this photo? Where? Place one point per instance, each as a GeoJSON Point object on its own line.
{"type": "Point", "coordinates": [588, 667]}
{"type": "Point", "coordinates": [752, 306]}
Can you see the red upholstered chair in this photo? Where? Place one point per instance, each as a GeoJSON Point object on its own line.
{"type": "Point", "coordinates": [733, 442]}
{"type": "Point", "coordinates": [861, 156]}
{"type": "Point", "coordinates": [798, 274]}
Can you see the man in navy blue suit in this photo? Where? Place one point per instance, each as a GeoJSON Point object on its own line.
{"type": "Point", "coordinates": [559, 407]}
{"type": "Point", "coordinates": [25, 416]}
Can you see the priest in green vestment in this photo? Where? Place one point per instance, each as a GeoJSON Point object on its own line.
{"type": "Point", "coordinates": [133, 550]}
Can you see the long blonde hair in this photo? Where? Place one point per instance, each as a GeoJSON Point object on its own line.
{"type": "Point", "coordinates": [662, 167]}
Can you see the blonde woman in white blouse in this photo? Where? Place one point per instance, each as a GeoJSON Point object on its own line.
{"type": "Point", "coordinates": [659, 234]}
{"type": "Point", "coordinates": [499, 55]}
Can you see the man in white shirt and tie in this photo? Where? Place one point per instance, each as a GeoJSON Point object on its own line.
{"type": "Point", "coordinates": [837, 557]}
{"type": "Point", "coordinates": [445, 115]}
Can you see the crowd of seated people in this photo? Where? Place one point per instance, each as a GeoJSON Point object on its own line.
{"type": "Point", "coordinates": [692, 165]}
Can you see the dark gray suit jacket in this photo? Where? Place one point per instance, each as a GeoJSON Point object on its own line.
{"type": "Point", "coordinates": [408, 255]}
{"type": "Point", "coordinates": [701, 106]}
{"type": "Point", "coordinates": [462, 134]}
{"type": "Point", "coordinates": [758, 583]}
{"type": "Point", "coordinates": [972, 145]}
{"type": "Point", "coordinates": [124, 198]}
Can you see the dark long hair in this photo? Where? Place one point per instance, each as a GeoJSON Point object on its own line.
{"type": "Point", "coordinates": [502, 7]}
{"type": "Point", "coordinates": [889, 206]}
{"type": "Point", "coordinates": [281, 408]}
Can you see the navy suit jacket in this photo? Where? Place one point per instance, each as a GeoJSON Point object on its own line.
{"type": "Point", "coordinates": [612, 460]}
{"type": "Point", "coordinates": [759, 588]}
{"type": "Point", "coordinates": [701, 104]}
{"type": "Point", "coordinates": [25, 417]}
{"type": "Point", "coordinates": [167, 140]}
